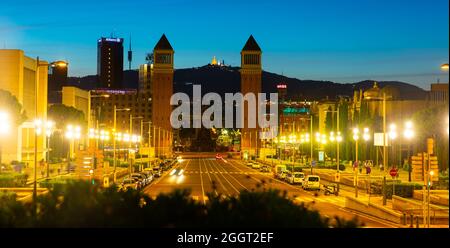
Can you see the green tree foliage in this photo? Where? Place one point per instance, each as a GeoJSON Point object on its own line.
{"type": "Point", "coordinates": [63, 115]}
{"type": "Point", "coordinates": [204, 141]}
{"type": "Point", "coordinates": [432, 123]}
{"type": "Point", "coordinates": [11, 105]}
{"type": "Point", "coordinates": [80, 204]}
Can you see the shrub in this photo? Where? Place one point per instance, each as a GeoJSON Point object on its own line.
{"type": "Point", "coordinates": [80, 204]}
{"type": "Point", "coordinates": [405, 190]}
{"type": "Point", "coordinates": [51, 183]}
{"type": "Point", "coordinates": [13, 180]}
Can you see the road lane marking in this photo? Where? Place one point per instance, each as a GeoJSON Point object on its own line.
{"type": "Point", "coordinates": [232, 186]}
{"type": "Point", "coordinates": [206, 168]}
{"type": "Point", "coordinates": [221, 166]}
{"type": "Point", "coordinates": [201, 182]}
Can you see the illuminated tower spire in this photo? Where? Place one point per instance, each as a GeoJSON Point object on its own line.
{"type": "Point", "coordinates": [214, 61]}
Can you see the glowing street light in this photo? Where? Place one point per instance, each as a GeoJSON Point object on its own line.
{"type": "Point", "coordinates": [408, 133]}
{"type": "Point", "coordinates": [4, 129]}
{"type": "Point", "coordinates": [392, 131]}
{"type": "Point", "coordinates": [72, 133]}
{"type": "Point", "coordinates": [366, 137]}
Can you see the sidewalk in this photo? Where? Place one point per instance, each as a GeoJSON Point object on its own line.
{"type": "Point", "coordinates": [375, 172]}
{"type": "Point", "coordinates": [41, 173]}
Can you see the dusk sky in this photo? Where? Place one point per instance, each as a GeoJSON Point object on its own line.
{"type": "Point", "coordinates": [342, 41]}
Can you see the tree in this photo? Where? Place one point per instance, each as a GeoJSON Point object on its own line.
{"type": "Point", "coordinates": [81, 204]}
{"type": "Point", "coordinates": [10, 105]}
{"type": "Point", "coordinates": [149, 58]}
{"type": "Point", "coordinates": [63, 115]}
{"type": "Point", "coordinates": [430, 123]}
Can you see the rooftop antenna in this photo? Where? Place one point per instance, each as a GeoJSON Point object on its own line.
{"type": "Point", "coordinates": [130, 55]}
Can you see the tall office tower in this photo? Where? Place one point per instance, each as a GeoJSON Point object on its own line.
{"type": "Point", "coordinates": [250, 83]}
{"type": "Point", "coordinates": [110, 62]}
{"type": "Point", "coordinates": [145, 72]}
{"type": "Point", "coordinates": [57, 78]}
{"type": "Point", "coordinates": [162, 90]}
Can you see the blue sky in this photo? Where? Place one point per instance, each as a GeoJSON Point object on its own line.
{"type": "Point", "coordinates": [342, 41]}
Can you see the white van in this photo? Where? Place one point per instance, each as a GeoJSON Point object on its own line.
{"type": "Point", "coordinates": [311, 182]}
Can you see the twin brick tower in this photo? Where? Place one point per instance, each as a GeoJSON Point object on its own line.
{"type": "Point", "coordinates": [162, 84]}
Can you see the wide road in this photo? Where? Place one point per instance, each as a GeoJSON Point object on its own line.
{"type": "Point", "coordinates": [229, 177]}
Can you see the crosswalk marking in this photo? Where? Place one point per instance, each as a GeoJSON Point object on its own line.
{"type": "Point", "coordinates": [226, 172]}
{"type": "Point", "coordinates": [334, 200]}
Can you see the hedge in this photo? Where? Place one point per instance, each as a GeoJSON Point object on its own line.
{"type": "Point", "coordinates": [50, 183]}
{"type": "Point", "coordinates": [13, 180]}
{"type": "Point", "coordinates": [405, 189]}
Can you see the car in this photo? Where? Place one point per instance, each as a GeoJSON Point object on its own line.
{"type": "Point", "coordinates": [311, 182]}
{"type": "Point", "coordinates": [264, 168]}
{"type": "Point", "coordinates": [295, 177]}
{"type": "Point", "coordinates": [250, 163]}
{"type": "Point", "coordinates": [142, 179]}
{"type": "Point", "coordinates": [127, 183]}
{"type": "Point", "coordinates": [157, 172]}
{"type": "Point", "coordinates": [281, 175]}
{"type": "Point", "coordinates": [278, 168]}
{"type": "Point", "coordinates": [149, 175]}
{"type": "Point", "coordinates": [176, 172]}
{"type": "Point", "coordinates": [218, 156]}
{"type": "Point", "coordinates": [256, 165]}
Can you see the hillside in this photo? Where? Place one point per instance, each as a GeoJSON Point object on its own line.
{"type": "Point", "coordinates": [227, 80]}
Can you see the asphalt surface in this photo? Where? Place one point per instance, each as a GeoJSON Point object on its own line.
{"type": "Point", "coordinates": [230, 177]}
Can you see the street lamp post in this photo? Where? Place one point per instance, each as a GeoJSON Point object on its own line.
{"type": "Point", "coordinates": [366, 137]}
{"type": "Point", "coordinates": [48, 132]}
{"type": "Point", "coordinates": [114, 140]}
{"type": "Point", "coordinates": [408, 134]}
{"type": "Point", "coordinates": [72, 133]}
{"type": "Point", "coordinates": [149, 138]}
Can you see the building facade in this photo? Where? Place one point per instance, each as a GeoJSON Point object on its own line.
{"type": "Point", "coordinates": [439, 93]}
{"type": "Point", "coordinates": [26, 79]}
{"type": "Point", "coordinates": [57, 78]}
{"type": "Point", "coordinates": [110, 62]}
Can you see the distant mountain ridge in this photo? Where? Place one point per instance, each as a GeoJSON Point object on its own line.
{"type": "Point", "coordinates": [222, 79]}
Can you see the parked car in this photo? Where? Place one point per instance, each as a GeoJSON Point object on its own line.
{"type": "Point", "coordinates": [149, 175]}
{"type": "Point", "coordinates": [311, 182]}
{"type": "Point", "coordinates": [256, 165]}
{"type": "Point", "coordinates": [218, 156]}
{"type": "Point", "coordinates": [128, 183]}
{"type": "Point", "coordinates": [281, 175]}
{"type": "Point", "coordinates": [264, 168]}
{"type": "Point", "coordinates": [142, 179]}
{"type": "Point", "coordinates": [157, 172]}
{"type": "Point", "coordinates": [278, 168]}
{"type": "Point", "coordinates": [250, 163]}
{"type": "Point", "coordinates": [295, 177]}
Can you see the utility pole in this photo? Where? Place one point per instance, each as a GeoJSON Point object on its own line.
{"type": "Point", "coordinates": [384, 149]}
{"type": "Point", "coordinates": [311, 139]}
{"type": "Point", "coordinates": [114, 146]}
{"type": "Point", "coordinates": [337, 147]}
